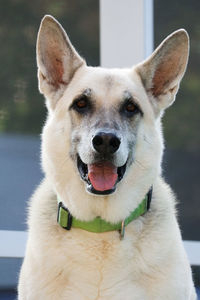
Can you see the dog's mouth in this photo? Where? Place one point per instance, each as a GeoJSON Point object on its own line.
{"type": "Point", "coordinates": [101, 177]}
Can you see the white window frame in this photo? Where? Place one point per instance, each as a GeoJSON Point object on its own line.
{"type": "Point", "coordinates": [126, 33]}
{"type": "Point", "coordinates": [13, 243]}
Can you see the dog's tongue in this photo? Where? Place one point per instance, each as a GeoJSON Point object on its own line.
{"type": "Point", "coordinates": [103, 175]}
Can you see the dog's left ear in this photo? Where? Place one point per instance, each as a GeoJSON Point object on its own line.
{"type": "Point", "coordinates": [162, 72]}
{"type": "Point", "coordinates": [57, 60]}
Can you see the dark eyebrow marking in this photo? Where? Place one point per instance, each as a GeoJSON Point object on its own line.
{"type": "Point", "coordinates": [127, 95]}
{"type": "Point", "coordinates": [87, 92]}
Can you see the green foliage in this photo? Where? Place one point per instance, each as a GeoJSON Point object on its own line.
{"type": "Point", "coordinates": [22, 108]}
{"type": "Point", "coordinates": [182, 121]}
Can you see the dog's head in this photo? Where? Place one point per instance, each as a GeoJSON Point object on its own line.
{"type": "Point", "coordinates": [102, 142]}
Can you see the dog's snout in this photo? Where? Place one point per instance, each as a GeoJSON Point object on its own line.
{"type": "Point", "coordinates": [106, 143]}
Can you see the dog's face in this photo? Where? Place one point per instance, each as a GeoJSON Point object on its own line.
{"type": "Point", "coordinates": [104, 116]}
{"type": "Point", "coordinates": [102, 142]}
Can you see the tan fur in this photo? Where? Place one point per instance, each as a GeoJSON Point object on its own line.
{"type": "Point", "coordinates": [150, 262]}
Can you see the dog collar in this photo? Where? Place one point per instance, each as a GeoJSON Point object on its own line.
{"type": "Point", "coordinates": [98, 225]}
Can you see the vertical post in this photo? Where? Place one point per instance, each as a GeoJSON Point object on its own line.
{"type": "Point", "coordinates": [126, 31]}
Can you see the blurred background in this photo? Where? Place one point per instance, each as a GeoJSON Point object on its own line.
{"type": "Point", "coordinates": [23, 112]}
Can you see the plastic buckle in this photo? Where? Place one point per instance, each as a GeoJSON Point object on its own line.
{"type": "Point", "coordinates": [66, 215]}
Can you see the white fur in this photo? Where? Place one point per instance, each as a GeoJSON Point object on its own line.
{"type": "Point", "coordinates": [150, 263]}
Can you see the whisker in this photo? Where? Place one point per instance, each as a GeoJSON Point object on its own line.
{"type": "Point", "coordinates": [147, 141]}
{"type": "Point", "coordinates": [64, 161]}
{"type": "Point", "coordinates": [139, 164]}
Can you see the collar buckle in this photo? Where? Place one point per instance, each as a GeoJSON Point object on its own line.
{"type": "Point", "coordinates": [64, 218]}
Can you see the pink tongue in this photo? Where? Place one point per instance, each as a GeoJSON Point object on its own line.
{"type": "Point", "coordinates": [103, 176]}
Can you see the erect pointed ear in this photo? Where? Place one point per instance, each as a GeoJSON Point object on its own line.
{"type": "Point", "coordinates": [162, 72]}
{"type": "Point", "coordinates": [57, 59]}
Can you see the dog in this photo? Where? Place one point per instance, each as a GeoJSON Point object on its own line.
{"type": "Point", "coordinates": [102, 224]}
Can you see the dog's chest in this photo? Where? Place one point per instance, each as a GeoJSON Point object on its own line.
{"type": "Point", "coordinates": [97, 267]}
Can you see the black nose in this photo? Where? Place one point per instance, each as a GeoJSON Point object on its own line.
{"type": "Point", "coordinates": [106, 143]}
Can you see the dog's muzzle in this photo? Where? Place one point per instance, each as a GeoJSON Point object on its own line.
{"type": "Point", "coordinates": [102, 175]}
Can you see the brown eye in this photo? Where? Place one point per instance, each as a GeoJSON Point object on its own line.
{"type": "Point", "coordinates": [130, 107]}
{"type": "Point", "coordinates": [82, 103]}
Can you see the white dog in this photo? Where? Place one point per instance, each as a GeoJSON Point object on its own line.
{"type": "Point", "coordinates": [102, 224]}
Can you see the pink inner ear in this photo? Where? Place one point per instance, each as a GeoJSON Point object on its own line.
{"type": "Point", "coordinates": [165, 73]}
{"type": "Point", "coordinates": [54, 66]}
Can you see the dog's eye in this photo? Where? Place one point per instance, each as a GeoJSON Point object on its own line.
{"type": "Point", "coordinates": [130, 108]}
{"type": "Point", "coordinates": [81, 104]}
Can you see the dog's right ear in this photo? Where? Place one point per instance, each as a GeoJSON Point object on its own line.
{"type": "Point", "coordinates": [57, 60]}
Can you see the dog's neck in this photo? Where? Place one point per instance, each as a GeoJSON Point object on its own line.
{"type": "Point", "coordinates": [98, 225]}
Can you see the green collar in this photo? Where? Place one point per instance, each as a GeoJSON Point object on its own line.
{"type": "Point", "coordinates": [99, 225]}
